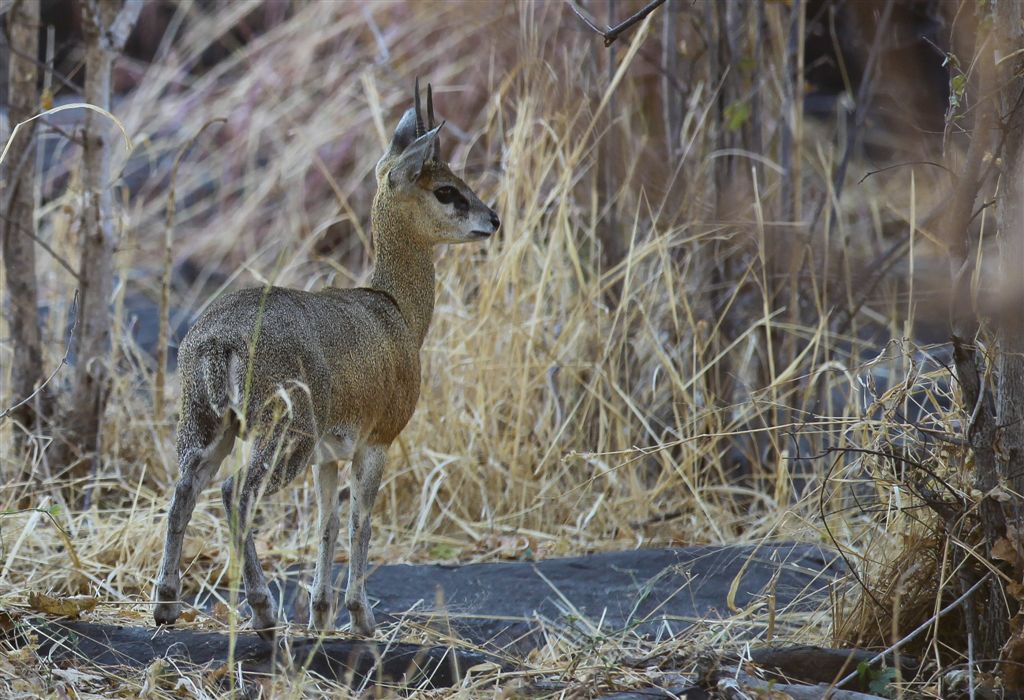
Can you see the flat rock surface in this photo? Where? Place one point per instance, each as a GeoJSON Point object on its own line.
{"type": "Point", "coordinates": [504, 607]}
{"type": "Point", "coordinates": [355, 662]}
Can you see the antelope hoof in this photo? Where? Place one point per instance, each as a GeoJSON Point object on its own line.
{"type": "Point", "coordinates": [166, 613]}
{"type": "Point", "coordinates": [322, 619]}
{"type": "Point", "coordinates": [362, 618]}
{"type": "Point", "coordinates": [267, 634]}
{"type": "Point", "coordinates": [264, 621]}
{"type": "Point", "coordinates": [265, 627]}
{"type": "Point", "coordinates": [167, 606]}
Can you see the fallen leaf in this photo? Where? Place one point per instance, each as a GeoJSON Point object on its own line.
{"type": "Point", "coordinates": [160, 675]}
{"type": "Point", "coordinates": [1000, 495]}
{"type": "Point", "coordinates": [220, 612]}
{"type": "Point", "coordinates": [217, 674]}
{"type": "Point", "coordinates": [8, 623]}
{"type": "Point", "coordinates": [1012, 656]}
{"type": "Point", "coordinates": [71, 606]}
{"type": "Point", "coordinates": [72, 675]}
{"type": "Point", "coordinates": [1005, 550]}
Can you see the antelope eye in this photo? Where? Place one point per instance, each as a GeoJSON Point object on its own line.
{"type": "Point", "coordinates": [446, 194]}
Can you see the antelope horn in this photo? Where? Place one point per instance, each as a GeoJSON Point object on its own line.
{"type": "Point", "coordinates": [419, 113]}
{"type": "Point", "coordinates": [430, 107]}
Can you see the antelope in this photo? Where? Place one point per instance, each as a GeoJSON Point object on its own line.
{"type": "Point", "coordinates": [319, 377]}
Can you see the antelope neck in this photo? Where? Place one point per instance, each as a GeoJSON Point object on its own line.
{"type": "Point", "coordinates": [404, 269]}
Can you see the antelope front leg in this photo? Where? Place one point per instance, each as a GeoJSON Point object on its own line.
{"type": "Point", "coordinates": [367, 468]}
{"type": "Point", "coordinates": [325, 477]}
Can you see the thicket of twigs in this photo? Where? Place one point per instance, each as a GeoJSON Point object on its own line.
{"type": "Point", "coordinates": [692, 329]}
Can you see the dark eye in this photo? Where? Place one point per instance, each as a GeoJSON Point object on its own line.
{"type": "Point", "coordinates": [446, 194]}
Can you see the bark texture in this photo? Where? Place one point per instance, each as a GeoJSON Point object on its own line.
{"type": "Point", "coordinates": [17, 228]}
{"type": "Point", "coordinates": [1009, 443]}
{"type": "Point", "coordinates": [993, 401]}
{"type": "Point", "coordinates": [995, 429]}
{"type": "Point", "coordinates": [1009, 23]}
{"type": "Point", "coordinates": [106, 25]}
{"type": "Point", "coordinates": [977, 391]}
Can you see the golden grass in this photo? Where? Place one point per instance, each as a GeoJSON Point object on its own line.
{"type": "Point", "coordinates": [565, 407]}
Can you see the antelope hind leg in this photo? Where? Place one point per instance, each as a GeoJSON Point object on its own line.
{"type": "Point", "coordinates": [198, 465]}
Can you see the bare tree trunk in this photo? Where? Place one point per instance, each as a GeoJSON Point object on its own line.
{"type": "Point", "coordinates": [1010, 212]}
{"type": "Point", "coordinates": [106, 25]}
{"type": "Point", "coordinates": [977, 393]}
{"type": "Point", "coordinates": [995, 408]}
{"type": "Point", "coordinates": [17, 229]}
{"type": "Point", "coordinates": [1010, 332]}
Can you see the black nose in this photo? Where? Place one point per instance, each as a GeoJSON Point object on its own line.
{"type": "Point", "coordinates": [495, 221]}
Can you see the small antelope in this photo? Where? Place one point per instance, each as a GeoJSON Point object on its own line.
{"type": "Point", "coordinates": [321, 377]}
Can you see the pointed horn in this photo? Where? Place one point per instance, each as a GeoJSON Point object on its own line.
{"type": "Point", "coordinates": [430, 107]}
{"type": "Point", "coordinates": [419, 113]}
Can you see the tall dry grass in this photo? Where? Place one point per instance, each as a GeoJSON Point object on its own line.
{"type": "Point", "coordinates": [570, 402]}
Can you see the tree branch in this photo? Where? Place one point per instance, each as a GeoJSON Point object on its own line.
{"type": "Point", "coordinates": [121, 28]}
{"type": "Point", "coordinates": [610, 34]}
{"type": "Point", "coordinates": [63, 361]}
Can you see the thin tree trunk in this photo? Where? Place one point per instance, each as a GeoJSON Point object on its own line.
{"type": "Point", "coordinates": [979, 395]}
{"type": "Point", "coordinates": [106, 25]}
{"type": "Point", "coordinates": [1010, 332]}
{"type": "Point", "coordinates": [995, 408]}
{"type": "Point", "coordinates": [1010, 212]}
{"type": "Point", "coordinates": [17, 228]}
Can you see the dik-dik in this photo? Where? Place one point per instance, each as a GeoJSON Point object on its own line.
{"type": "Point", "coordinates": [322, 377]}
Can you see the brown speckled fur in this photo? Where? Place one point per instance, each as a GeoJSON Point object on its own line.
{"type": "Point", "coordinates": [294, 371]}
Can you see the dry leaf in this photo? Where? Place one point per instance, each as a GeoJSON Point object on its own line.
{"type": "Point", "coordinates": [8, 623]}
{"type": "Point", "coordinates": [188, 615]}
{"type": "Point", "coordinates": [1004, 550]}
{"type": "Point", "coordinates": [160, 675]}
{"type": "Point", "coordinates": [220, 612]}
{"type": "Point", "coordinates": [73, 676]}
{"type": "Point", "coordinates": [71, 606]}
{"type": "Point", "coordinates": [518, 547]}
{"type": "Point", "coordinates": [1013, 661]}
{"type": "Point", "coordinates": [999, 494]}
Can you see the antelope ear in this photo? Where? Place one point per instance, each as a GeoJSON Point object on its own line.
{"type": "Point", "coordinates": [410, 163]}
{"type": "Point", "coordinates": [405, 134]}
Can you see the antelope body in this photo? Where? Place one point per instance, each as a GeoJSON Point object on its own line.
{"type": "Point", "coordinates": [323, 377]}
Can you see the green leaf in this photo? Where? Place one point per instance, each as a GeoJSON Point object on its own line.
{"type": "Point", "coordinates": [443, 551]}
{"type": "Point", "coordinates": [959, 83]}
{"type": "Point", "coordinates": [880, 684]}
{"type": "Point", "coordinates": [736, 115]}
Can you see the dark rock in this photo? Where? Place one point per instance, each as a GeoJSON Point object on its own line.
{"type": "Point", "coordinates": [810, 664]}
{"type": "Point", "coordinates": [502, 607]}
{"type": "Point", "coordinates": [687, 692]}
{"type": "Point", "coordinates": [654, 592]}
{"type": "Point", "coordinates": [355, 662]}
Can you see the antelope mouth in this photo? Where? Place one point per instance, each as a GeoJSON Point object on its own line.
{"type": "Point", "coordinates": [482, 234]}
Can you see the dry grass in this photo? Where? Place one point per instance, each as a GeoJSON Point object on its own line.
{"type": "Point", "coordinates": [567, 406]}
